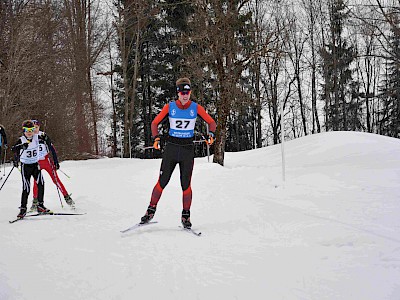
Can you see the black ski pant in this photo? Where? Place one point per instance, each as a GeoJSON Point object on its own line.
{"type": "Point", "coordinates": [173, 155]}
{"type": "Point", "coordinates": [176, 154]}
{"type": "Point", "coordinates": [28, 171]}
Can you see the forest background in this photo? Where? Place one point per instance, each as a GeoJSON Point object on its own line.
{"type": "Point", "coordinates": [96, 72]}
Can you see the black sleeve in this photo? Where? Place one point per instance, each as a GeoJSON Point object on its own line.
{"type": "Point", "coordinates": [17, 149]}
{"type": "Point", "coordinates": [3, 133]}
{"type": "Point", "coordinates": [50, 146]}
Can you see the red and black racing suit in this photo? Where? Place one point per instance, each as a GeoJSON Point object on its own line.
{"type": "Point", "coordinates": [178, 151]}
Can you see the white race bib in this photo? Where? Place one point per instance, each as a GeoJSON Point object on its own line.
{"type": "Point", "coordinates": [31, 154]}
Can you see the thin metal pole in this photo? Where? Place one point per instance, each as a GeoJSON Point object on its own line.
{"type": "Point", "coordinates": [120, 136]}
{"type": "Point", "coordinates": [63, 173]}
{"type": "Point", "coordinates": [283, 143]}
{"type": "Point", "coordinates": [208, 146]}
{"type": "Point", "coordinates": [130, 146]}
{"type": "Point", "coordinates": [7, 178]}
{"type": "Point", "coordinates": [4, 160]}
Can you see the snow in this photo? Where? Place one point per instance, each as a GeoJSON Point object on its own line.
{"type": "Point", "coordinates": [330, 231]}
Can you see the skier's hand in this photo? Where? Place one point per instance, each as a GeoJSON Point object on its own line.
{"type": "Point", "coordinates": [16, 163]}
{"type": "Point", "coordinates": [57, 165]}
{"type": "Point", "coordinates": [156, 143]}
{"type": "Point", "coordinates": [210, 139]}
{"type": "Point", "coordinates": [25, 146]}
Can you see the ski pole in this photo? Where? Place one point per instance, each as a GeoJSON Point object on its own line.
{"type": "Point", "coordinates": [55, 178]}
{"type": "Point", "coordinates": [1, 163]}
{"type": "Point", "coordinates": [208, 146]}
{"type": "Point", "coordinates": [11, 170]}
{"type": "Point", "coordinates": [152, 147]}
{"type": "Point", "coordinates": [4, 160]}
{"type": "Point", "coordinates": [145, 148]}
{"type": "Point", "coordinates": [53, 167]}
{"type": "Point", "coordinates": [7, 177]}
{"type": "Point", "coordinates": [63, 173]}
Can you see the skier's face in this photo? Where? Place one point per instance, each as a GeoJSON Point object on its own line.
{"type": "Point", "coordinates": [37, 128]}
{"type": "Point", "coordinates": [29, 131]}
{"type": "Point", "coordinates": [184, 96]}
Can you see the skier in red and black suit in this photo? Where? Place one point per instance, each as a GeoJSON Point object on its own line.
{"type": "Point", "coordinates": [182, 115]}
{"type": "Point", "coordinates": [50, 165]}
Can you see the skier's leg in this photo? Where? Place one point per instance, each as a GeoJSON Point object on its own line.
{"type": "Point", "coordinates": [26, 172]}
{"type": "Point", "coordinates": [168, 164]}
{"type": "Point", "coordinates": [186, 169]}
{"type": "Point", "coordinates": [40, 183]}
{"type": "Point", "coordinates": [45, 164]}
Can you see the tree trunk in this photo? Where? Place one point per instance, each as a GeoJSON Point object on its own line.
{"type": "Point", "coordinates": [133, 88]}
{"type": "Point", "coordinates": [89, 79]}
{"type": "Point", "coordinates": [76, 16]}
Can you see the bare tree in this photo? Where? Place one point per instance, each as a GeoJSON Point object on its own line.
{"type": "Point", "coordinates": [220, 26]}
{"type": "Point", "coordinates": [295, 45]}
{"type": "Point", "coordinates": [76, 13]}
{"type": "Point", "coordinates": [86, 41]}
{"type": "Point", "coordinates": [132, 18]}
{"type": "Point", "coordinates": [311, 11]}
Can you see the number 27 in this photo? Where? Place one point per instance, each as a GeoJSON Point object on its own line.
{"type": "Point", "coordinates": [179, 124]}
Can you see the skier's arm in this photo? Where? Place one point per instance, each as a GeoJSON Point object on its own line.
{"type": "Point", "coordinates": [158, 119]}
{"type": "Point", "coordinates": [211, 124]}
{"type": "Point", "coordinates": [54, 155]}
{"type": "Point", "coordinates": [18, 146]}
{"type": "Point", "coordinates": [207, 118]}
{"type": "Point", "coordinates": [51, 148]}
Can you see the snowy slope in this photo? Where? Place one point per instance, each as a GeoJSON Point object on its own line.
{"type": "Point", "coordinates": [331, 231]}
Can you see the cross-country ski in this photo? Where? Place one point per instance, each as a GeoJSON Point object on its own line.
{"type": "Point", "coordinates": [190, 230]}
{"type": "Point", "coordinates": [138, 225]}
{"type": "Point", "coordinates": [47, 214]}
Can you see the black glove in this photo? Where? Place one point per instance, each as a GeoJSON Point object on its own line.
{"type": "Point", "coordinates": [25, 146]}
{"type": "Point", "coordinates": [57, 165]}
{"type": "Point", "coordinates": [16, 163]}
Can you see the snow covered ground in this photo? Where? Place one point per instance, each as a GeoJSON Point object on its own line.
{"type": "Point", "coordinates": [331, 231]}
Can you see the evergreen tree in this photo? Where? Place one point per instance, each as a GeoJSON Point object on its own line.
{"type": "Point", "coordinates": [159, 61]}
{"type": "Point", "coordinates": [390, 90]}
{"type": "Point", "coordinates": [337, 57]}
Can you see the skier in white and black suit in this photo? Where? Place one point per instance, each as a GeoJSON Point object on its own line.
{"type": "Point", "coordinates": [26, 151]}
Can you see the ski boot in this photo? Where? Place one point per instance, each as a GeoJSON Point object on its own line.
{"type": "Point", "coordinates": [41, 209]}
{"type": "Point", "coordinates": [69, 201]}
{"type": "Point", "coordinates": [22, 212]}
{"type": "Point", "coordinates": [186, 219]}
{"type": "Point", "coordinates": [34, 204]}
{"type": "Point", "coordinates": [151, 210]}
